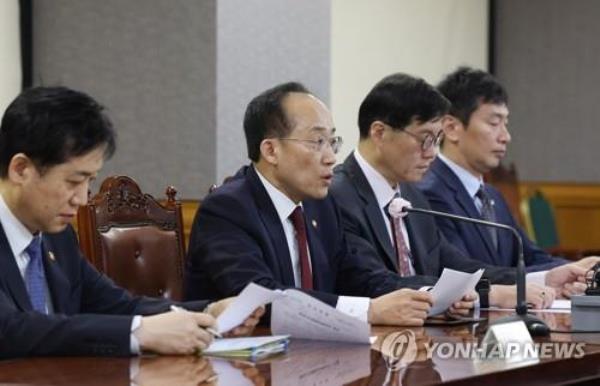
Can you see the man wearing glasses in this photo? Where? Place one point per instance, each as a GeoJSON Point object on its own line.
{"type": "Point", "coordinates": [400, 123]}
{"type": "Point", "coordinates": [273, 223]}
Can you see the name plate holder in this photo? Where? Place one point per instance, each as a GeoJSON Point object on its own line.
{"type": "Point", "coordinates": [506, 345]}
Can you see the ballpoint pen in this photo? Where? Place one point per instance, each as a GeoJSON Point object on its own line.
{"type": "Point", "coordinates": [210, 330]}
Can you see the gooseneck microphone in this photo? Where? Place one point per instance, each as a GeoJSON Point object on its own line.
{"type": "Point", "coordinates": [521, 307]}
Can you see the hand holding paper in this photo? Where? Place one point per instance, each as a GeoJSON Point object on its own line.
{"type": "Point", "coordinates": [451, 287]}
{"type": "Point", "coordinates": [296, 314]}
{"type": "Point", "coordinates": [243, 305]}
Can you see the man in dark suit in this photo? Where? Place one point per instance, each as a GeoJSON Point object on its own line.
{"type": "Point", "coordinates": [53, 142]}
{"type": "Point", "coordinates": [273, 223]}
{"type": "Point", "coordinates": [400, 129]}
{"type": "Point", "coordinates": [476, 139]}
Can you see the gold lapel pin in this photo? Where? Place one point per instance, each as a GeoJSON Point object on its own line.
{"type": "Point", "coordinates": [51, 256]}
{"type": "Point", "coordinates": [314, 223]}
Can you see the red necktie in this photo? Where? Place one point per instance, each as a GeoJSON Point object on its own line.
{"type": "Point", "coordinates": [402, 251]}
{"type": "Point", "coordinates": [297, 219]}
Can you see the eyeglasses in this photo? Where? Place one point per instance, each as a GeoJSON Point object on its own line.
{"type": "Point", "coordinates": [318, 145]}
{"type": "Point", "coordinates": [428, 140]}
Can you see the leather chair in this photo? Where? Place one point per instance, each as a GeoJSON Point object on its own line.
{"type": "Point", "coordinates": [133, 239]}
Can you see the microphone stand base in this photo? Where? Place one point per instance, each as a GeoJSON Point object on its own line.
{"type": "Point", "coordinates": [535, 326]}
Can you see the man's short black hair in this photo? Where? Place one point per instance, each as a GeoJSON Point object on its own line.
{"type": "Point", "coordinates": [467, 88]}
{"type": "Point", "coordinates": [51, 125]}
{"type": "Point", "coordinates": [398, 100]}
{"type": "Point", "coordinates": [265, 118]}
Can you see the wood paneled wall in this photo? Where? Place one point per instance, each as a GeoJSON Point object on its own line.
{"type": "Point", "coordinates": [188, 209]}
{"type": "Point", "coordinates": [576, 209]}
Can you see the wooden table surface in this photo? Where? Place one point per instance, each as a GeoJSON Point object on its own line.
{"type": "Point", "coordinates": [324, 363]}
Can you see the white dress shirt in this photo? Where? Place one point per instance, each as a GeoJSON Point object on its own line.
{"type": "Point", "coordinates": [471, 185]}
{"type": "Point", "coordinates": [350, 305]}
{"type": "Point", "coordinates": [384, 193]}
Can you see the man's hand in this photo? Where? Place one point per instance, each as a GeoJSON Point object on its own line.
{"type": "Point", "coordinates": [244, 329]}
{"type": "Point", "coordinates": [587, 262]}
{"type": "Point", "coordinates": [217, 308]}
{"type": "Point", "coordinates": [180, 332]}
{"type": "Point", "coordinates": [248, 325]}
{"type": "Point", "coordinates": [463, 306]}
{"type": "Point", "coordinates": [505, 296]}
{"type": "Point", "coordinates": [568, 273]}
{"type": "Point", "coordinates": [404, 307]}
{"type": "Point", "coordinates": [571, 289]}
{"type": "Point", "coordinates": [573, 276]}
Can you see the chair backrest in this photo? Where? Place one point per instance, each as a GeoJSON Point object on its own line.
{"type": "Point", "coordinates": [543, 221]}
{"type": "Point", "coordinates": [506, 181]}
{"type": "Point", "coordinates": [134, 239]}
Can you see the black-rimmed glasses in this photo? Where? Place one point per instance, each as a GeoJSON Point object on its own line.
{"type": "Point", "coordinates": [428, 140]}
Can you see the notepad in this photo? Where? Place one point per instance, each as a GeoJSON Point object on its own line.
{"type": "Point", "coordinates": [250, 347]}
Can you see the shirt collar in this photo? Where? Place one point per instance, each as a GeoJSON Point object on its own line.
{"type": "Point", "coordinates": [17, 234]}
{"type": "Point", "coordinates": [283, 204]}
{"type": "Point", "coordinates": [469, 181]}
{"type": "Point", "coordinates": [384, 193]}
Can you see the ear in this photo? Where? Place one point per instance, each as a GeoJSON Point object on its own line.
{"type": "Point", "coordinates": [452, 127]}
{"type": "Point", "coordinates": [269, 150]}
{"type": "Point", "coordinates": [376, 131]}
{"type": "Point", "coordinates": [21, 168]}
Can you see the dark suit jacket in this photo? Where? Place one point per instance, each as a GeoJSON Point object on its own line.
{"type": "Point", "coordinates": [430, 251]}
{"type": "Point", "coordinates": [237, 238]}
{"type": "Point", "coordinates": [446, 193]}
{"type": "Point", "coordinates": [91, 315]}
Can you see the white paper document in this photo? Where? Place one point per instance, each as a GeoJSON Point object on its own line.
{"type": "Point", "coordinates": [451, 287]}
{"type": "Point", "coordinates": [251, 297]}
{"type": "Point", "coordinates": [296, 314]}
{"type": "Point", "coordinates": [302, 316]}
{"type": "Point", "coordinates": [559, 306]}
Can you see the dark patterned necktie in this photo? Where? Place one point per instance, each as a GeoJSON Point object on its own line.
{"type": "Point", "coordinates": [488, 214]}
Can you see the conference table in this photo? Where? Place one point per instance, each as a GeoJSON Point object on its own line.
{"type": "Point", "coordinates": [325, 363]}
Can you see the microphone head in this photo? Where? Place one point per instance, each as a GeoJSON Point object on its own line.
{"type": "Point", "coordinates": [398, 207]}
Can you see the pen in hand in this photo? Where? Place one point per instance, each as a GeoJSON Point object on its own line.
{"type": "Point", "coordinates": [210, 330]}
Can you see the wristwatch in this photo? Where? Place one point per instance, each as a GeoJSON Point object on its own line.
{"type": "Point", "coordinates": [483, 289]}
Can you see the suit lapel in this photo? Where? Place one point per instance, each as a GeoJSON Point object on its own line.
{"type": "Point", "coordinates": [58, 284]}
{"type": "Point", "coordinates": [272, 223]}
{"type": "Point", "coordinates": [12, 276]}
{"type": "Point", "coordinates": [371, 208]}
{"type": "Point", "coordinates": [464, 200]}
